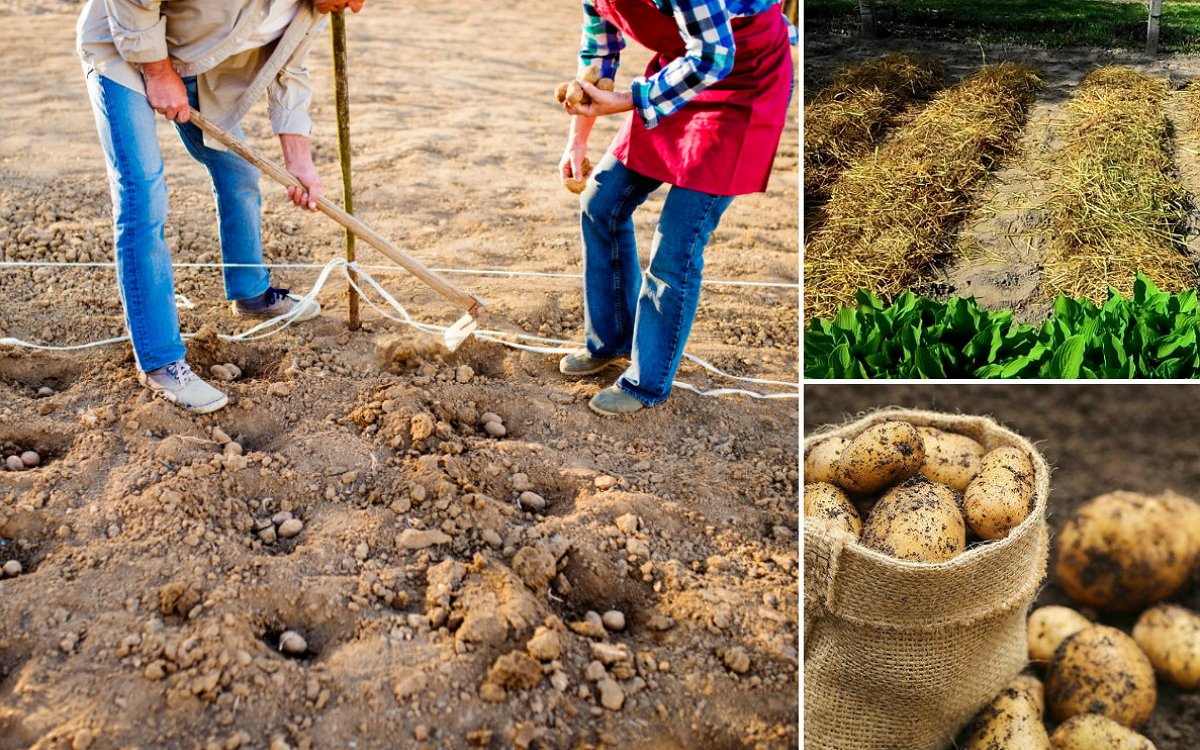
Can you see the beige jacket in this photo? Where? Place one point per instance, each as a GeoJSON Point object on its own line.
{"type": "Point", "coordinates": [115, 37]}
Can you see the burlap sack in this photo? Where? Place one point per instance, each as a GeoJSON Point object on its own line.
{"type": "Point", "coordinates": [901, 655]}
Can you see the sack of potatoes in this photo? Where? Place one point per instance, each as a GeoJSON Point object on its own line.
{"type": "Point", "coordinates": [925, 541]}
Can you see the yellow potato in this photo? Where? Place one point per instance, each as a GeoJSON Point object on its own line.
{"type": "Point", "coordinates": [1096, 732]}
{"type": "Point", "coordinates": [1012, 721]}
{"type": "Point", "coordinates": [576, 94]}
{"type": "Point", "coordinates": [1101, 670]}
{"type": "Point", "coordinates": [1000, 497]}
{"type": "Point", "coordinates": [827, 501]}
{"type": "Point", "coordinates": [1123, 551]}
{"type": "Point", "coordinates": [560, 93]}
{"type": "Point", "coordinates": [605, 84]}
{"type": "Point", "coordinates": [1047, 627]}
{"type": "Point", "coordinates": [883, 455]}
{"type": "Point", "coordinates": [950, 458]}
{"type": "Point", "coordinates": [919, 521]}
{"type": "Point", "coordinates": [578, 186]}
{"type": "Point", "coordinates": [820, 465]}
{"type": "Point", "coordinates": [591, 74]}
{"type": "Point", "coordinates": [1170, 637]}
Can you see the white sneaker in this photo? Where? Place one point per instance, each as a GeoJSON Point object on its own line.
{"type": "Point", "coordinates": [275, 302]}
{"type": "Point", "coordinates": [178, 384]}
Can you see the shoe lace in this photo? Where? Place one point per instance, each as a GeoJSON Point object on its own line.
{"type": "Point", "coordinates": [181, 372]}
{"type": "Point", "coordinates": [273, 295]}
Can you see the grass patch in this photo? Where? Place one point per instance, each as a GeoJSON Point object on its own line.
{"type": "Point", "coordinates": [1046, 23]}
{"type": "Point", "coordinates": [847, 119]}
{"type": "Point", "coordinates": [893, 212]}
{"type": "Point", "coordinates": [1115, 206]}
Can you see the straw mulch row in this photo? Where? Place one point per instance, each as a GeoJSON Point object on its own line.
{"type": "Point", "coordinates": [893, 212]}
{"type": "Point", "coordinates": [847, 119]}
{"type": "Point", "coordinates": [1115, 205]}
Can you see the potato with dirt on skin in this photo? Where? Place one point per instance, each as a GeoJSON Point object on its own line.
{"type": "Point", "coordinates": [1049, 626]}
{"type": "Point", "coordinates": [950, 458]}
{"type": "Point", "coordinates": [1012, 721]}
{"type": "Point", "coordinates": [1000, 496]}
{"type": "Point", "coordinates": [1096, 732]}
{"type": "Point", "coordinates": [1170, 637]}
{"type": "Point", "coordinates": [1101, 670]}
{"type": "Point", "coordinates": [1123, 551]}
{"type": "Point", "coordinates": [918, 521]}
{"type": "Point", "coordinates": [820, 465]}
{"type": "Point", "coordinates": [881, 456]}
{"type": "Point", "coordinates": [827, 501]}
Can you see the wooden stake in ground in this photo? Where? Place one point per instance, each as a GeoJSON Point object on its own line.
{"type": "Point", "coordinates": [341, 93]}
{"type": "Point", "coordinates": [866, 11]}
{"type": "Point", "coordinates": [1152, 28]}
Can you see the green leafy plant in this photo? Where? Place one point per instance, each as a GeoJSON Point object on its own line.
{"type": "Point", "coordinates": [1152, 335]}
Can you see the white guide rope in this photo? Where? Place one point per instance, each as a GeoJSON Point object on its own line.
{"type": "Point", "coordinates": [464, 271]}
{"type": "Point", "coordinates": [275, 325]}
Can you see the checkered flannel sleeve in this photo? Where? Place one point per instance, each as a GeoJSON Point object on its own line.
{"type": "Point", "coordinates": [704, 26]}
{"type": "Point", "coordinates": [601, 42]}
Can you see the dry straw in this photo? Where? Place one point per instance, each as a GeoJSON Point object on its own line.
{"type": "Point", "coordinates": [1115, 205]}
{"type": "Point", "coordinates": [846, 120]}
{"type": "Point", "coordinates": [892, 213]}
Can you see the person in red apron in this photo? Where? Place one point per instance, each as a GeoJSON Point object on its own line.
{"type": "Point", "coordinates": [706, 119]}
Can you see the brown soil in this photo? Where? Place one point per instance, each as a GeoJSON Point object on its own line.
{"type": "Point", "coordinates": [997, 251]}
{"type": "Point", "coordinates": [1098, 439]}
{"type": "Point", "coordinates": [150, 612]}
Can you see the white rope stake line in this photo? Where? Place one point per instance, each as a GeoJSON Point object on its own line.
{"type": "Point", "coordinates": [564, 347]}
{"type": "Point", "coordinates": [277, 324]}
{"type": "Point", "coordinates": [462, 271]}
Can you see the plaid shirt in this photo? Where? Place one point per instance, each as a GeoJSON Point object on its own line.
{"type": "Point", "coordinates": [704, 27]}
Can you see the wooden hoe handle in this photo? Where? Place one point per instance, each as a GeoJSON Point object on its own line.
{"type": "Point", "coordinates": [465, 300]}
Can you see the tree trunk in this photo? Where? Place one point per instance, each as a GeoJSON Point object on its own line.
{"type": "Point", "coordinates": [1152, 28]}
{"type": "Point", "coordinates": [866, 11]}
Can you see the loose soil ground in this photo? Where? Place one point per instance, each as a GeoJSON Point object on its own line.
{"type": "Point", "coordinates": [1098, 438]}
{"type": "Point", "coordinates": [150, 610]}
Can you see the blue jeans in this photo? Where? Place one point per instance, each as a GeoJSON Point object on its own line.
{"type": "Point", "coordinates": [646, 316]}
{"type": "Point", "coordinates": [145, 277]}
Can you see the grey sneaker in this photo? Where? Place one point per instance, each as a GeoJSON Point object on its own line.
{"type": "Point", "coordinates": [614, 402]}
{"type": "Point", "coordinates": [178, 384]}
{"type": "Point", "coordinates": [275, 302]}
{"type": "Point", "coordinates": [580, 363]}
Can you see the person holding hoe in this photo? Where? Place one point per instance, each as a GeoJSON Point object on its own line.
{"type": "Point", "coordinates": [706, 119]}
{"type": "Point", "coordinates": [142, 57]}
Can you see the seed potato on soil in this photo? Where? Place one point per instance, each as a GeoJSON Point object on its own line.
{"type": "Point", "coordinates": [1047, 627]}
{"type": "Point", "coordinates": [1122, 551]}
{"type": "Point", "coordinates": [1012, 721]}
{"type": "Point", "coordinates": [1096, 732]}
{"type": "Point", "coordinates": [1101, 670]}
{"type": "Point", "coordinates": [1170, 637]}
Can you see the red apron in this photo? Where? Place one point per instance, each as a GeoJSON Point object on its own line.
{"type": "Point", "coordinates": [724, 140]}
